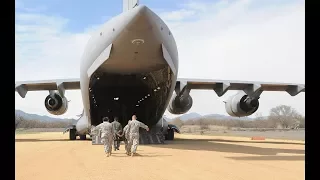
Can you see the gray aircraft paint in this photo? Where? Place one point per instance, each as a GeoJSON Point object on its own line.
{"type": "Point", "coordinates": [118, 32]}
{"type": "Point", "coordinates": [121, 31]}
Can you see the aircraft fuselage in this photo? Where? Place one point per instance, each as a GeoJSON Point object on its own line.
{"type": "Point", "coordinates": [128, 67]}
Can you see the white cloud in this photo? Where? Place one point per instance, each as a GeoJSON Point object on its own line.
{"type": "Point", "coordinates": [177, 15]}
{"type": "Point", "coordinates": [19, 5]}
{"type": "Point", "coordinates": [221, 40]}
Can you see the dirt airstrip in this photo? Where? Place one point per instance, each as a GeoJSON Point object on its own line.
{"type": "Point", "coordinates": [49, 156]}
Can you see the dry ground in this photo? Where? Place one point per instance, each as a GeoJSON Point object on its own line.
{"type": "Point", "coordinates": [190, 157]}
{"type": "Point", "coordinates": [297, 134]}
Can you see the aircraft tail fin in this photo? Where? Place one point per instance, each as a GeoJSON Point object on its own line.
{"type": "Point", "coordinates": [129, 4]}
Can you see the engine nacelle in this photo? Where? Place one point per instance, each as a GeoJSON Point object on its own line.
{"type": "Point", "coordinates": [180, 104]}
{"type": "Point", "coordinates": [55, 104]}
{"type": "Point", "coordinates": [241, 105]}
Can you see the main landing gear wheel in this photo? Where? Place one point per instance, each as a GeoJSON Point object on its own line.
{"type": "Point", "coordinates": [83, 137]}
{"type": "Point", "coordinates": [170, 135]}
{"type": "Point", "coordinates": [72, 134]}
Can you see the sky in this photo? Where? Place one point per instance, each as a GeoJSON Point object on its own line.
{"type": "Point", "coordinates": [249, 40]}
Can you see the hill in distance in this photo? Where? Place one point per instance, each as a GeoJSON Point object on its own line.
{"type": "Point", "coordinates": [196, 116]}
{"type": "Point", "coordinates": [28, 116]}
{"type": "Point", "coordinates": [184, 117]}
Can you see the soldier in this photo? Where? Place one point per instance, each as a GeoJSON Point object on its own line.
{"type": "Point", "coordinates": [107, 134]}
{"type": "Point", "coordinates": [117, 129]}
{"type": "Point", "coordinates": [134, 133]}
{"type": "Point", "coordinates": [126, 137]}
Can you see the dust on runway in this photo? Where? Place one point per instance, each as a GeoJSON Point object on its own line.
{"type": "Point", "coordinates": [189, 157]}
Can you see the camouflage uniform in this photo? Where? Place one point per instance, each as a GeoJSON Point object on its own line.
{"type": "Point", "coordinates": [126, 138]}
{"type": "Point", "coordinates": [107, 133]}
{"type": "Point", "coordinates": [134, 134]}
{"type": "Point", "coordinates": [117, 128]}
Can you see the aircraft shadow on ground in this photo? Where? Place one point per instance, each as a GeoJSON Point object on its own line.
{"type": "Point", "coordinates": [218, 146]}
{"type": "Point", "coordinates": [234, 141]}
{"type": "Point", "coordinates": [270, 158]}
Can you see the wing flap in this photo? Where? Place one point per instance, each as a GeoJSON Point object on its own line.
{"type": "Point", "coordinates": [221, 86]}
{"type": "Point", "coordinates": [22, 87]}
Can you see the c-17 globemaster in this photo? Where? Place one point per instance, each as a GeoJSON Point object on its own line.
{"type": "Point", "coordinates": [130, 66]}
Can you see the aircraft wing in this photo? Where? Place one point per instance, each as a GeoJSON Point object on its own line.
{"type": "Point", "coordinates": [222, 86]}
{"type": "Point", "coordinates": [219, 86]}
{"type": "Point", "coordinates": [22, 87]}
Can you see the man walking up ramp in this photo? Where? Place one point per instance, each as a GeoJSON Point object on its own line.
{"type": "Point", "coordinates": [107, 134]}
{"type": "Point", "coordinates": [134, 133]}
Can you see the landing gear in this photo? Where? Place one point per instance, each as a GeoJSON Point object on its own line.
{"type": "Point", "coordinates": [170, 135]}
{"type": "Point", "coordinates": [83, 137]}
{"type": "Point", "coordinates": [72, 134]}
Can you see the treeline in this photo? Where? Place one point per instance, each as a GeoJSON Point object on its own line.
{"type": "Point", "coordinates": [21, 122]}
{"type": "Point", "coordinates": [279, 117]}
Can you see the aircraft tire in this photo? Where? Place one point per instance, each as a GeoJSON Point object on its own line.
{"type": "Point", "coordinates": [83, 137]}
{"type": "Point", "coordinates": [72, 134]}
{"type": "Point", "coordinates": [170, 135]}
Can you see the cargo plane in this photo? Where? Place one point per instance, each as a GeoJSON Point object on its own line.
{"type": "Point", "coordinates": [130, 66]}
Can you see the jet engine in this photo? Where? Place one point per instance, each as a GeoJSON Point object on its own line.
{"type": "Point", "coordinates": [180, 104]}
{"type": "Point", "coordinates": [55, 104]}
{"type": "Point", "coordinates": [241, 104]}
